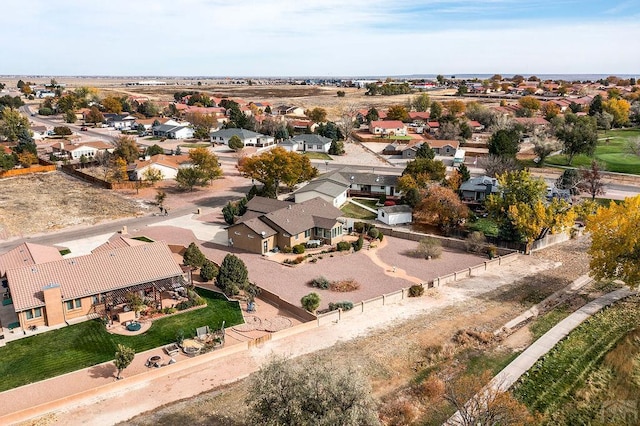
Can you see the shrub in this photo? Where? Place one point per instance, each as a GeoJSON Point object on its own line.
{"type": "Point", "coordinates": [310, 302]}
{"type": "Point", "coordinates": [286, 249]}
{"type": "Point", "coordinates": [357, 246]}
{"type": "Point", "coordinates": [320, 282]}
{"type": "Point", "coordinates": [381, 236]}
{"type": "Point", "coordinates": [193, 256]}
{"type": "Point", "coordinates": [492, 251]}
{"type": "Point", "coordinates": [416, 290]}
{"type": "Point", "coordinates": [475, 242]}
{"type": "Point", "coordinates": [382, 199]}
{"type": "Point", "coordinates": [344, 286]}
{"type": "Point", "coordinates": [345, 305]}
{"type": "Point", "coordinates": [343, 246]}
{"type": "Point", "coordinates": [208, 271]}
{"type": "Point", "coordinates": [374, 233]}
{"type": "Point", "coordinates": [233, 275]}
{"type": "Point", "coordinates": [358, 226]}
{"type": "Point", "coordinates": [428, 248]}
{"type": "Point", "coordinates": [298, 249]}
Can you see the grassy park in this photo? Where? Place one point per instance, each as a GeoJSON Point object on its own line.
{"type": "Point", "coordinates": [82, 345]}
{"type": "Point", "coordinates": [611, 151]}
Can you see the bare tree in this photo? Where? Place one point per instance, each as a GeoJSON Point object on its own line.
{"type": "Point", "coordinates": [633, 146]}
{"type": "Point", "coordinates": [477, 404]}
{"type": "Point", "coordinates": [591, 181]}
{"type": "Point", "coordinates": [496, 165]}
{"type": "Point", "coordinates": [347, 121]}
{"type": "Point", "coordinates": [543, 146]}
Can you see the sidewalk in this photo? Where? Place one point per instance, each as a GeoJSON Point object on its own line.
{"type": "Point", "coordinates": [512, 372]}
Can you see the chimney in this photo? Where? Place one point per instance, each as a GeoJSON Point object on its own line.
{"type": "Point", "coordinates": [124, 230]}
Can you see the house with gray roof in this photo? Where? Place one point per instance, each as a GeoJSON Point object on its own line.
{"type": "Point", "coordinates": [247, 137]}
{"type": "Point", "coordinates": [335, 187]}
{"type": "Point", "coordinates": [478, 188]}
{"type": "Point", "coordinates": [171, 131]}
{"type": "Point", "coordinates": [313, 143]}
{"type": "Point", "coordinates": [293, 224]}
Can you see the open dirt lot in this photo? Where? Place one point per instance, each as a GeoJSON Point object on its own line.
{"type": "Point", "coordinates": [46, 202]}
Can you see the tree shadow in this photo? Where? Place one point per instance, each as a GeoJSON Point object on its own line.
{"type": "Point", "coordinates": [103, 371]}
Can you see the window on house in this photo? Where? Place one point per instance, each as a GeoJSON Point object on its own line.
{"type": "Point", "coordinates": [73, 304]}
{"type": "Point", "coordinates": [307, 233]}
{"type": "Point", "coordinates": [33, 313]}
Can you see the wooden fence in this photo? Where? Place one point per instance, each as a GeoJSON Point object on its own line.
{"type": "Point", "coordinates": [27, 171]}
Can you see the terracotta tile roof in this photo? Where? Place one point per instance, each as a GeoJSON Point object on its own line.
{"type": "Point", "coordinates": [391, 124]}
{"type": "Point", "coordinates": [536, 121]}
{"type": "Point", "coordinates": [441, 143]}
{"type": "Point", "coordinates": [116, 242]}
{"type": "Point", "coordinates": [150, 121]}
{"type": "Point", "coordinates": [27, 254]}
{"type": "Point", "coordinates": [433, 124]}
{"type": "Point", "coordinates": [92, 274]}
{"type": "Point", "coordinates": [419, 115]}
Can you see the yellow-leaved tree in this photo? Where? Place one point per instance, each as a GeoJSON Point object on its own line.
{"type": "Point", "coordinates": [615, 242]}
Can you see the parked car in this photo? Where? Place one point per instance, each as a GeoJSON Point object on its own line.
{"type": "Point", "coordinates": [83, 129]}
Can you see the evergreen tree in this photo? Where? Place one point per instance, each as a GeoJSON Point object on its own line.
{"type": "Point", "coordinates": [233, 275]}
{"type": "Point", "coordinates": [193, 256]}
{"type": "Point", "coordinates": [464, 172]}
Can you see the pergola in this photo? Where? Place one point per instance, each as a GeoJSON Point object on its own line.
{"type": "Point", "coordinates": [156, 287]}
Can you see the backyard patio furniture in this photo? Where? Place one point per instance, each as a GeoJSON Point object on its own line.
{"type": "Point", "coordinates": [172, 349]}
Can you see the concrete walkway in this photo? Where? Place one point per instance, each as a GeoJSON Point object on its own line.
{"type": "Point", "coordinates": [512, 372]}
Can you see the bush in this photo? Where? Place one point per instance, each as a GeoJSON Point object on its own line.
{"type": "Point", "coordinates": [343, 246]}
{"type": "Point", "coordinates": [345, 306]}
{"type": "Point", "coordinates": [381, 236]}
{"type": "Point", "coordinates": [357, 246]}
{"type": "Point", "coordinates": [233, 275]}
{"type": "Point", "coordinates": [492, 251]}
{"type": "Point", "coordinates": [428, 248]}
{"type": "Point", "coordinates": [208, 271]}
{"type": "Point", "coordinates": [286, 250]}
{"type": "Point", "coordinates": [382, 199]}
{"type": "Point", "coordinates": [475, 242]}
{"type": "Point", "coordinates": [358, 226]}
{"type": "Point", "coordinates": [298, 249]}
{"type": "Point", "coordinates": [374, 233]}
{"type": "Point", "coordinates": [416, 290]}
{"type": "Point", "coordinates": [193, 256]}
{"type": "Point", "coordinates": [344, 286]}
{"type": "Point", "coordinates": [310, 302]}
{"type": "Point", "coordinates": [320, 282]}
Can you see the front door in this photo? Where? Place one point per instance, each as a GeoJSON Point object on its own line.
{"type": "Point", "coordinates": [265, 246]}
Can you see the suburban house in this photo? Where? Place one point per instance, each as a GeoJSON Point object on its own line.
{"type": "Point", "coordinates": [147, 123]}
{"type": "Point", "coordinates": [433, 126]}
{"type": "Point", "coordinates": [119, 121]}
{"type": "Point", "coordinates": [335, 187]}
{"type": "Point", "coordinates": [312, 143]}
{"type": "Point", "coordinates": [388, 128]}
{"type": "Point", "coordinates": [272, 224]}
{"type": "Point", "coordinates": [395, 215]}
{"type": "Point", "coordinates": [478, 188]}
{"type": "Point", "coordinates": [75, 151]}
{"type": "Point", "coordinates": [475, 126]}
{"type": "Point", "coordinates": [247, 137]}
{"type": "Point", "coordinates": [39, 132]}
{"type": "Point", "coordinates": [287, 110]}
{"type": "Point", "coordinates": [168, 165]}
{"type": "Point", "coordinates": [171, 131]}
{"type": "Point", "coordinates": [301, 126]}
{"type": "Point", "coordinates": [47, 290]}
{"type": "Point", "coordinates": [444, 147]}
{"type": "Point", "coordinates": [419, 116]}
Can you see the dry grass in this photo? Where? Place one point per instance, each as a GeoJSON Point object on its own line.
{"type": "Point", "coordinates": [344, 286]}
{"type": "Point", "coordinates": [50, 201]}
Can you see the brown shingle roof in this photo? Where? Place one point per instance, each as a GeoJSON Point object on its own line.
{"type": "Point", "coordinates": [27, 254]}
{"type": "Point", "coordinates": [92, 274]}
{"type": "Point", "coordinates": [298, 218]}
{"type": "Point", "coordinates": [266, 205]}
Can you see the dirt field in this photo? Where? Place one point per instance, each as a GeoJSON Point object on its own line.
{"type": "Point", "coordinates": [392, 357]}
{"type": "Point", "coordinates": [50, 201]}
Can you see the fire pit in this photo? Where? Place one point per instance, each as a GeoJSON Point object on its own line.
{"type": "Point", "coordinates": [154, 361]}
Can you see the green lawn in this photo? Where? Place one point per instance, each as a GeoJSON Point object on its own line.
{"type": "Point", "coordinates": [485, 225]}
{"type": "Point", "coordinates": [367, 202]}
{"type": "Point", "coordinates": [318, 156]}
{"type": "Point", "coordinates": [356, 212]}
{"type": "Point", "coordinates": [550, 383]}
{"type": "Point", "coordinates": [82, 345]}
{"type": "Point", "coordinates": [611, 150]}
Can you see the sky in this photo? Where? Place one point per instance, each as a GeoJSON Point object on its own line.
{"type": "Point", "coordinates": [236, 38]}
